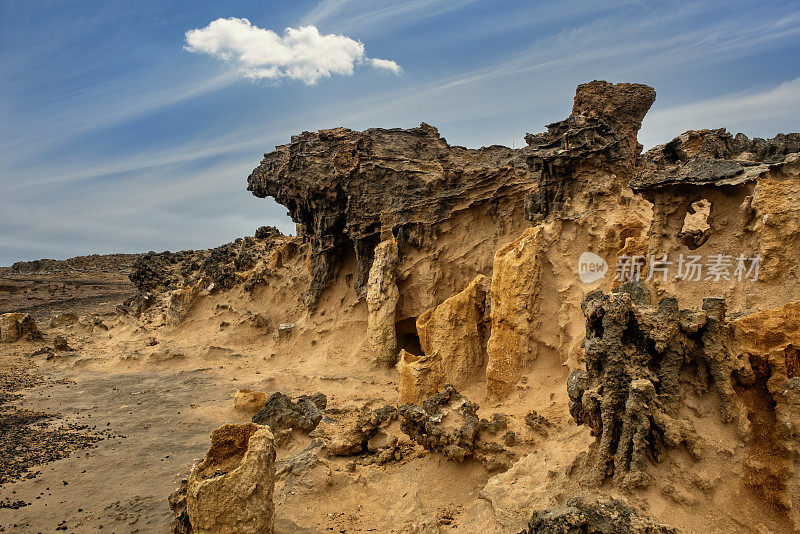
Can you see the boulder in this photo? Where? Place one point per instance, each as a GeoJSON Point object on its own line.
{"type": "Point", "coordinates": [419, 377]}
{"type": "Point", "coordinates": [280, 413]}
{"type": "Point", "coordinates": [348, 434]}
{"type": "Point", "coordinates": [60, 343]}
{"type": "Point", "coordinates": [448, 423]}
{"type": "Point", "coordinates": [604, 516]}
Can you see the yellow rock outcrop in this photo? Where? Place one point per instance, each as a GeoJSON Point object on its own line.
{"type": "Point", "coordinates": [514, 315]}
{"type": "Point", "coordinates": [776, 201]}
{"type": "Point", "coordinates": [181, 302]}
{"type": "Point", "coordinates": [247, 400]}
{"type": "Point", "coordinates": [452, 340]}
{"type": "Point", "coordinates": [769, 341]}
{"type": "Point", "coordinates": [230, 491]}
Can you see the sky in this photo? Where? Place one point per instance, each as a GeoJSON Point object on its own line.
{"type": "Point", "coordinates": [132, 126]}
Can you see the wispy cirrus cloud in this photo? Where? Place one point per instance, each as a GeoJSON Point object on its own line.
{"type": "Point", "coordinates": [300, 53]}
{"type": "Point", "coordinates": [377, 15]}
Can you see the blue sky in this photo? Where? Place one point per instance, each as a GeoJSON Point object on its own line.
{"type": "Point", "coordinates": [114, 137]}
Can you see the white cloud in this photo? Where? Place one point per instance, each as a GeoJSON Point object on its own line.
{"type": "Point", "coordinates": [385, 64]}
{"type": "Point", "coordinates": [301, 53]}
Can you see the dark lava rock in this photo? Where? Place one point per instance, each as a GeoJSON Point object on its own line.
{"type": "Point", "coordinates": [157, 272]}
{"type": "Point", "coordinates": [607, 516]}
{"type": "Point", "coordinates": [30, 438]}
{"type": "Point", "coordinates": [712, 157]}
{"type": "Point", "coordinates": [448, 423]}
{"type": "Point", "coordinates": [344, 188]}
{"type": "Point", "coordinates": [638, 361]}
{"type": "Point", "coordinates": [280, 413]}
{"type": "Point", "coordinates": [600, 132]}
{"type": "Point", "coordinates": [266, 232]}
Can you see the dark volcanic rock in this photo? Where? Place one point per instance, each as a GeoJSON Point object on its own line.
{"type": "Point", "coordinates": [95, 262]}
{"type": "Point", "coordinates": [346, 188]}
{"type": "Point", "coordinates": [266, 232]}
{"type": "Point", "coordinates": [343, 186]}
{"type": "Point", "coordinates": [448, 423]}
{"type": "Point", "coordinates": [631, 390]}
{"type": "Point", "coordinates": [29, 438]}
{"type": "Point", "coordinates": [156, 272]}
{"type": "Point", "coordinates": [607, 516]}
{"type": "Point", "coordinates": [599, 133]}
{"type": "Point", "coordinates": [280, 413]}
{"type": "Point", "coordinates": [713, 157]}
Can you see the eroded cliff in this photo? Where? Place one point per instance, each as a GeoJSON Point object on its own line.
{"type": "Point", "coordinates": [574, 331]}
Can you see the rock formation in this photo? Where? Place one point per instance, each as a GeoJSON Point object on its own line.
{"type": "Point", "coordinates": [605, 516]}
{"type": "Point", "coordinates": [599, 135]}
{"type": "Point", "coordinates": [280, 413]}
{"type": "Point", "coordinates": [452, 333]}
{"type": "Point", "coordinates": [230, 491]}
{"type": "Point", "coordinates": [448, 423]}
{"type": "Point", "coordinates": [181, 302]}
{"type": "Point", "coordinates": [16, 326]}
{"type": "Point", "coordinates": [451, 337]}
{"type": "Point", "coordinates": [348, 433]}
{"type": "Point", "coordinates": [382, 298]}
{"type": "Point", "coordinates": [219, 267]}
{"type": "Point", "coordinates": [464, 267]}
{"type": "Point", "coordinates": [516, 278]}
{"type": "Point", "coordinates": [769, 341]}
{"type": "Point", "coordinates": [749, 185]}
{"type": "Point", "coordinates": [631, 389]}
{"type": "Point", "coordinates": [343, 188]}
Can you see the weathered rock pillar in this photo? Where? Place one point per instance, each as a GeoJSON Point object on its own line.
{"type": "Point", "coordinates": [382, 298]}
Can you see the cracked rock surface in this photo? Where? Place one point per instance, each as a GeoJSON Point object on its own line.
{"type": "Point", "coordinates": [280, 413]}
{"type": "Point", "coordinates": [448, 423]}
